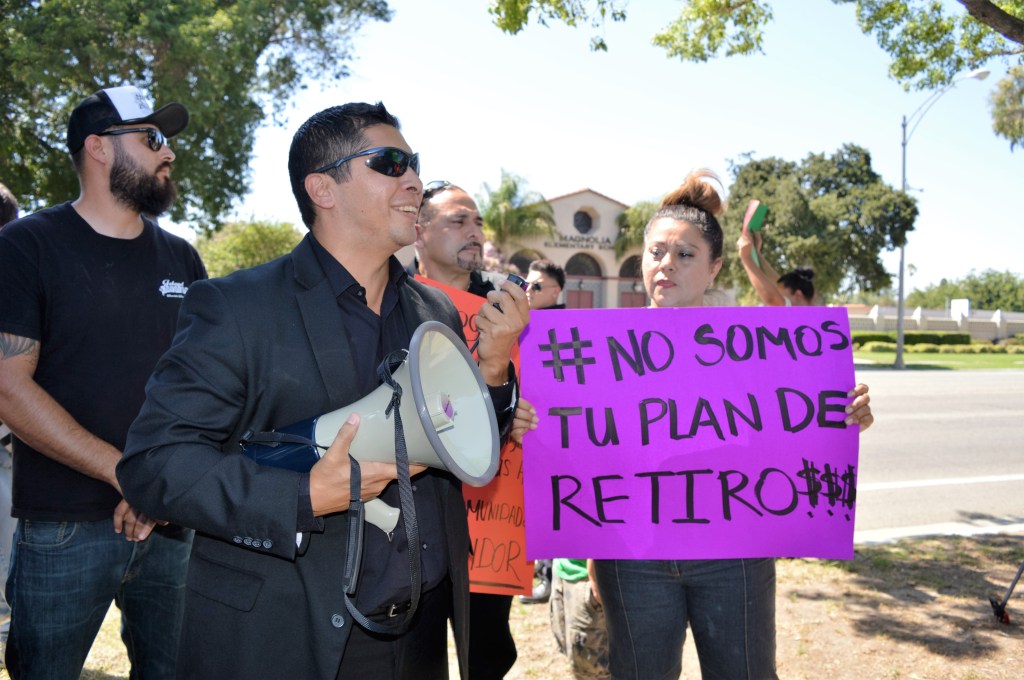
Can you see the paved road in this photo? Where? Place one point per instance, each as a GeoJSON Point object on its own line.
{"type": "Point", "coordinates": [946, 454]}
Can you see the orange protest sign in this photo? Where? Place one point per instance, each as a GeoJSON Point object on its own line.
{"type": "Point", "coordinates": [495, 512]}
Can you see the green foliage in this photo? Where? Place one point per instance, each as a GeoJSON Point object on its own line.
{"type": "Point", "coordinates": [988, 290]}
{"type": "Point", "coordinates": [930, 45]}
{"type": "Point", "coordinates": [911, 337]}
{"type": "Point", "coordinates": [926, 348]}
{"type": "Point", "coordinates": [228, 61]}
{"type": "Point", "coordinates": [706, 28]}
{"type": "Point", "coordinates": [632, 223]}
{"type": "Point", "coordinates": [511, 212]}
{"type": "Point", "coordinates": [928, 41]}
{"type": "Point", "coordinates": [832, 213]}
{"type": "Point", "coordinates": [1007, 103]}
{"type": "Point", "coordinates": [239, 245]}
{"type": "Point", "coordinates": [512, 16]}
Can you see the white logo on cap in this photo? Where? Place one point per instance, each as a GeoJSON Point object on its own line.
{"type": "Point", "coordinates": [129, 102]}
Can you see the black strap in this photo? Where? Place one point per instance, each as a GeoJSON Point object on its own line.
{"type": "Point", "coordinates": [408, 512]}
{"type": "Point", "coordinates": [273, 438]}
{"type": "Point", "coordinates": [356, 516]}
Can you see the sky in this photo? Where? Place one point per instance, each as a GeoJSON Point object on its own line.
{"type": "Point", "coordinates": [631, 123]}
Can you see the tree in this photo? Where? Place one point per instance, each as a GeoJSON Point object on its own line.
{"type": "Point", "coordinates": [229, 61]}
{"type": "Point", "coordinates": [929, 46]}
{"type": "Point", "coordinates": [833, 213]}
{"type": "Point", "coordinates": [632, 222]}
{"type": "Point", "coordinates": [511, 212]}
{"type": "Point", "coordinates": [245, 244]}
{"type": "Point", "coordinates": [988, 290]}
{"type": "Point", "coordinates": [1008, 107]}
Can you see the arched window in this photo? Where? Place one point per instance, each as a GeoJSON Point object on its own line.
{"type": "Point", "coordinates": [630, 268]}
{"type": "Point", "coordinates": [522, 258]}
{"type": "Point", "coordinates": [582, 264]}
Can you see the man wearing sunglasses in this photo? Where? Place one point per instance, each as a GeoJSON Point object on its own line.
{"type": "Point", "coordinates": [91, 293]}
{"type": "Point", "coordinates": [546, 281]}
{"type": "Point", "coordinates": [283, 342]}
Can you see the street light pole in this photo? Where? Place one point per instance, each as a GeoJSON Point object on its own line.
{"type": "Point", "coordinates": [915, 118]}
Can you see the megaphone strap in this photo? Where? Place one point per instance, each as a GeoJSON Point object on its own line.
{"type": "Point", "coordinates": [353, 557]}
{"type": "Point", "coordinates": [408, 503]}
{"type": "Point", "coordinates": [273, 438]}
{"type": "Point", "coordinates": [354, 554]}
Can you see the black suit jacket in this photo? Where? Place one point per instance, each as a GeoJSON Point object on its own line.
{"type": "Point", "coordinates": [260, 349]}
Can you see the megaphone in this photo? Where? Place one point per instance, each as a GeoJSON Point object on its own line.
{"type": "Point", "coordinates": [446, 411]}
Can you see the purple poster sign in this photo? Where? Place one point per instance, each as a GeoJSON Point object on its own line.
{"type": "Point", "coordinates": [691, 433]}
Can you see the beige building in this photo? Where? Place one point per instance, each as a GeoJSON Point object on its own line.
{"type": "Point", "coordinates": [586, 226]}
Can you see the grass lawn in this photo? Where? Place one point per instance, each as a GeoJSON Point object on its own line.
{"type": "Point", "coordinates": [956, 362]}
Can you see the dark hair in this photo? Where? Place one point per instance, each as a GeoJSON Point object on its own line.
{"type": "Point", "coordinates": [549, 268]}
{"type": "Point", "coordinates": [426, 212]}
{"type": "Point", "coordinates": [696, 202]}
{"type": "Point", "coordinates": [800, 280]}
{"type": "Point", "coordinates": [8, 206]}
{"type": "Point", "coordinates": [327, 136]}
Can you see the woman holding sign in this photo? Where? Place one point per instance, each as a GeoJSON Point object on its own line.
{"type": "Point", "coordinates": [729, 604]}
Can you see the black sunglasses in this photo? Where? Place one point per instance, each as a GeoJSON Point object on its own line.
{"type": "Point", "coordinates": [154, 138]}
{"type": "Point", "coordinates": [535, 286]}
{"type": "Point", "coordinates": [387, 160]}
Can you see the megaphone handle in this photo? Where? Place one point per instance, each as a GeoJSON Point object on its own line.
{"type": "Point", "coordinates": [381, 515]}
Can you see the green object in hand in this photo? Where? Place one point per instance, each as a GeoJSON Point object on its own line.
{"type": "Point", "coordinates": [753, 220]}
{"type": "Point", "coordinates": [757, 219]}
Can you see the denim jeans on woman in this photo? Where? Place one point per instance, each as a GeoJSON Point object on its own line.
{"type": "Point", "coordinates": [62, 579]}
{"type": "Point", "coordinates": [729, 605]}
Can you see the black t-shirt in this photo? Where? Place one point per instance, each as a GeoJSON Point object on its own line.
{"type": "Point", "coordinates": [103, 310]}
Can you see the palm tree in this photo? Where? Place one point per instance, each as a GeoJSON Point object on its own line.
{"type": "Point", "coordinates": [632, 223]}
{"type": "Point", "coordinates": [511, 212]}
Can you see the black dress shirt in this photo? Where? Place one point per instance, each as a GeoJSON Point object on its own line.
{"type": "Point", "coordinates": [384, 578]}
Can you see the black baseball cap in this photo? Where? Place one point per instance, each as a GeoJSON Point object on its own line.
{"type": "Point", "coordinates": [124, 105]}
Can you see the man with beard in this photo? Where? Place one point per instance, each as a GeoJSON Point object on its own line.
{"type": "Point", "coordinates": [91, 290]}
{"type": "Point", "coordinates": [450, 240]}
{"type": "Point", "coordinates": [449, 249]}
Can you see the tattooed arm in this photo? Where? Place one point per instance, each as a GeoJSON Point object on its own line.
{"type": "Point", "coordinates": [38, 420]}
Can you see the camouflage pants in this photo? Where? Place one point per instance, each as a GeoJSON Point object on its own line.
{"type": "Point", "coordinates": [577, 621]}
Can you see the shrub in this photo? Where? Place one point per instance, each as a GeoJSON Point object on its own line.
{"type": "Point", "coordinates": [932, 348]}
{"type": "Point", "coordinates": [878, 346]}
{"type": "Point", "coordinates": [912, 337]}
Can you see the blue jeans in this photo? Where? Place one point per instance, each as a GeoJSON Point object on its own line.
{"type": "Point", "coordinates": [729, 605]}
{"type": "Point", "coordinates": [63, 577]}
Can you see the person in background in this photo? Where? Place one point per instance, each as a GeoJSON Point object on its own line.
{"type": "Point", "coordinates": [795, 288]}
{"type": "Point", "coordinates": [729, 604]}
{"type": "Point", "coordinates": [91, 292]}
{"type": "Point", "coordinates": [450, 249]}
{"type": "Point", "coordinates": [8, 213]}
{"type": "Point", "coordinates": [546, 281]}
{"type": "Point", "coordinates": [8, 206]}
{"type": "Point", "coordinates": [450, 241]}
{"type": "Point", "coordinates": [290, 340]}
